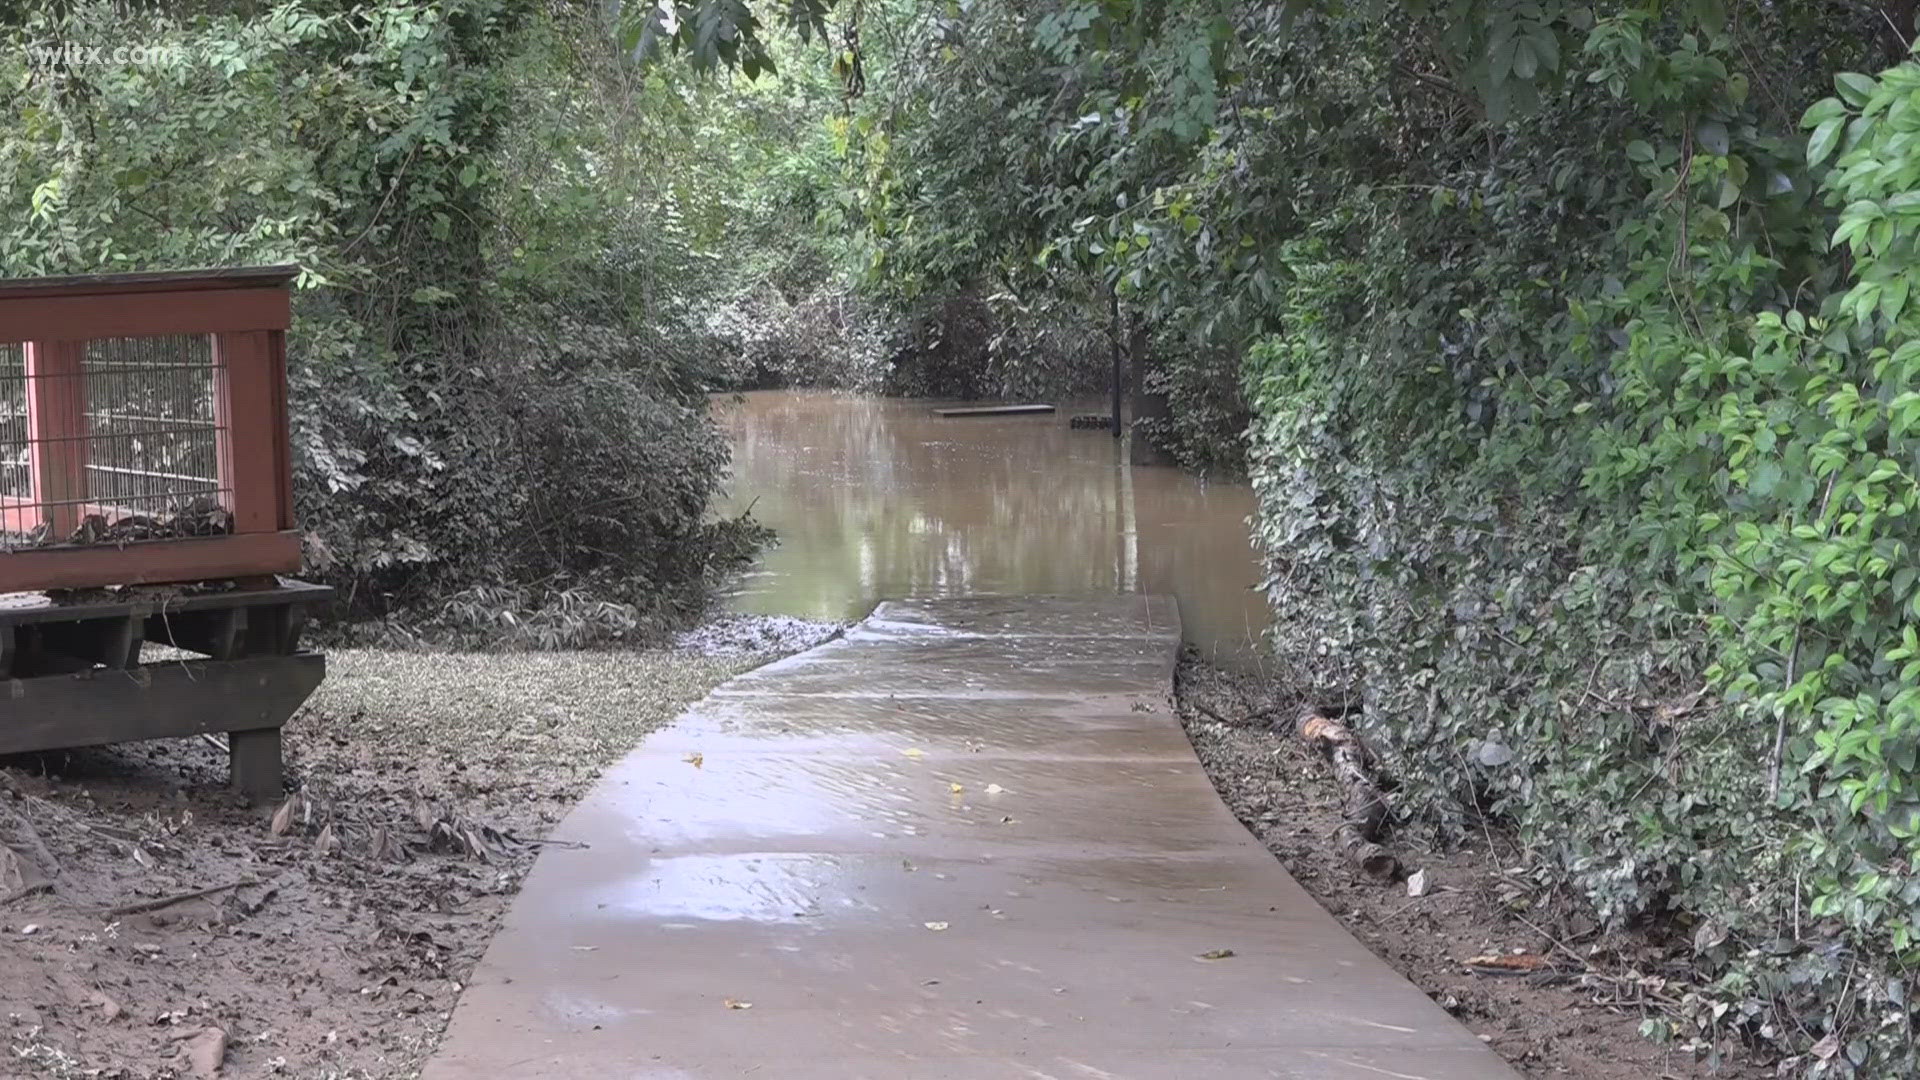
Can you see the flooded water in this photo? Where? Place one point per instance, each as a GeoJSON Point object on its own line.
{"type": "Point", "coordinates": [879, 498]}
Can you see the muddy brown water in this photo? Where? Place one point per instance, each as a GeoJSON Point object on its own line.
{"type": "Point", "coordinates": [876, 498]}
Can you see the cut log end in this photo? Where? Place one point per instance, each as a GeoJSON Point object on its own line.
{"type": "Point", "coordinates": [1368, 857]}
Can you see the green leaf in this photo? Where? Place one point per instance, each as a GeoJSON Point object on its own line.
{"type": "Point", "coordinates": [1854, 87]}
{"type": "Point", "coordinates": [1893, 300]}
{"type": "Point", "coordinates": [1525, 63]}
{"type": "Point", "coordinates": [1546, 46]}
{"type": "Point", "coordinates": [1822, 111]}
{"type": "Point", "coordinates": [1638, 150]}
{"type": "Point", "coordinates": [1821, 143]}
{"type": "Point", "coordinates": [1713, 136]}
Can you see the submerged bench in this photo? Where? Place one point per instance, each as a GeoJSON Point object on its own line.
{"type": "Point", "coordinates": [994, 410]}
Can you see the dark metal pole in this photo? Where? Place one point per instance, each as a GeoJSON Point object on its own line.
{"type": "Point", "coordinates": [1113, 308]}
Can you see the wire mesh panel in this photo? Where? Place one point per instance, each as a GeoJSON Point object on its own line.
{"type": "Point", "coordinates": [119, 440]}
{"type": "Point", "coordinates": [153, 432]}
{"type": "Point", "coordinates": [17, 517]}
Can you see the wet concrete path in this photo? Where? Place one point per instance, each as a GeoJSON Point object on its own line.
{"type": "Point", "coordinates": [968, 841]}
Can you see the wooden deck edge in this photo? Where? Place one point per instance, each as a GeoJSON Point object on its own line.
{"type": "Point", "coordinates": [28, 609]}
{"type": "Point", "coordinates": [154, 701]}
{"type": "Point", "coordinates": [153, 562]}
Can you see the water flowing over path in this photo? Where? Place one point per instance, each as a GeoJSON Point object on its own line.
{"type": "Point", "coordinates": [968, 841]}
{"type": "Point", "coordinates": [875, 498]}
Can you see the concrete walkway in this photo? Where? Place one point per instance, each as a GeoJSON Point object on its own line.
{"type": "Point", "coordinates": [969, 841]}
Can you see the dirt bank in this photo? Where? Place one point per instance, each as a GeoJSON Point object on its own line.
{"type": "Point", "coordinates": [1582, 1020]}
{"type": "Point", "coordinates": [331, 940]}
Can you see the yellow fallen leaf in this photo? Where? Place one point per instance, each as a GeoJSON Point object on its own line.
{"type": "Point", "coordinates": [695, 759]}
{"type": "Point", "coordinates": [732, 1004]}
{"type": "Point", "coordinates": [956, 788]}
{"type": "Point", "coordinates": [936, 926]}
{"type": "Point", "coordinates": [914, 751]}
{"type": "Point", "coordinates": [1215, 954]}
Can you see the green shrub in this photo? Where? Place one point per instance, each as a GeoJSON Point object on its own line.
{"type": "Point", "coordinates": [1584, 468]}
{"type": "Point", "coordinates": [498, 354]}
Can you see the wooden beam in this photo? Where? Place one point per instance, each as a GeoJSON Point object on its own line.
{"type": "Point", "coordinates": [143, 314]}
{"type": "Point", "coordinates": [140, 601]}
{"type": "Point", "coordinates": [155, 701]}
{"type": "Point", "coordinates": [219, 277]}
{"type": "Point", "coordinates": [152, 562]}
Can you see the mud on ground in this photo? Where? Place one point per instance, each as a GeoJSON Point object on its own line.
{"type": "Point", "coordinates": [1583, 1022]}
{"type": "Point", "coordinates": [336, 929]}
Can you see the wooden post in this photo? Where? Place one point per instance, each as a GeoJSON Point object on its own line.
{"type": "Point", "coordinates": [283, 424]}
{"type": "Point", "coordinates": [252, 460]}
{"type": "Point", "coordinates": [253, 757]}
{"type": "Point", "coordinates": [56, 432]}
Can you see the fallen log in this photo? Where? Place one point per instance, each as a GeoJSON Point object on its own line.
{"type": "Point", "coordinates": [1363, 809]}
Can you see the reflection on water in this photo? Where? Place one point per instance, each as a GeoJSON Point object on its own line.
{"type": "Point", "coordinates": [878, 498]}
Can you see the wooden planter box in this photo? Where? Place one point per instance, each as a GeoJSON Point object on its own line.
{"type": "Point", "coordinates": [143, 429]}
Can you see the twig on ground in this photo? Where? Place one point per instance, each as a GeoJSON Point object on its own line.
{"type": "Point", "coordinates": [143, 906]}
{"type": "Point", "coordinates": [1208, 710]}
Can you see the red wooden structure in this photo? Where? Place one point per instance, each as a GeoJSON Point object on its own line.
{"type": "Point", "coordinates": [145, 462]}
{"type": "Point", "coordinates": [143, 429]}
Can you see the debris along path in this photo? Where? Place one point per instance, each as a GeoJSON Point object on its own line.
{"type": "Point", "coordinates": [967, 840]}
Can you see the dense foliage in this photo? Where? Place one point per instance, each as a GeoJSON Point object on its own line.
{"type": "Point", "coordinates": [499, 354]}
{"type": "Point", "coordinates": [1570, 344]}
{"type": "Point", "coordinates": [1577, 343]}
